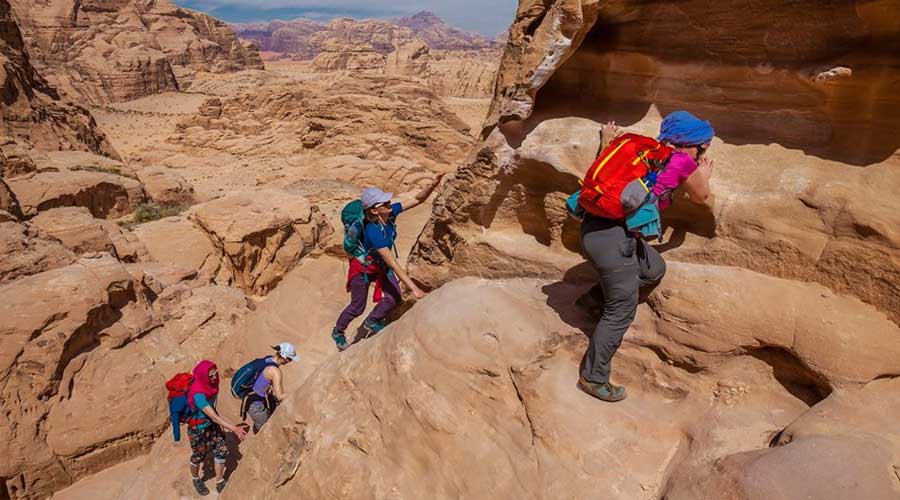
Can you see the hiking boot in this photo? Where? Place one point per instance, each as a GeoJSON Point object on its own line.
{"type": "Point", "coordinates": [200, 486]}
{"type": "Point", "coordinates": [339, 339]}
{"type": "Point", "coordinates": [371, 327]}
{"type": "Point", "coordinates": [220, 485]}
{"type": "Point", "coordinates": [605, 392]}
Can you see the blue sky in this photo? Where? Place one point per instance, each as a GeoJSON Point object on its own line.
{"type": "Point", "coordinates": [489, 17]}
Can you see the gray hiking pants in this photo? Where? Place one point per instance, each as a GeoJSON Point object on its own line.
{"type": "Point", "coordinates": [625, 264]}
{"type": "Point", "coordinates": [260, 413]}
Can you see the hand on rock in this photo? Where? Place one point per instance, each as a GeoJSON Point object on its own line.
{"type": "Point", "coordinates": [707, 164]}
{"type": "Point", "coordinates": [239, 432]}
{"type": "Point", "coordinates": [610, 130]}
{"type": "Point", "coordinates": [418, 293]}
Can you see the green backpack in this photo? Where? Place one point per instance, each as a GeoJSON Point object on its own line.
{"type": "Point", "coordinates": [353, 217]}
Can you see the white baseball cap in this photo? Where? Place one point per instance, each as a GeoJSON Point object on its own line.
{"type": "Point", "coordinates": [373, 196]}
{"type": "Point", "coordinates": [287, 351]}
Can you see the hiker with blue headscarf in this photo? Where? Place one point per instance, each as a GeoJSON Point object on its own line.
{"type": "Point", "coordinates": [626, 263]}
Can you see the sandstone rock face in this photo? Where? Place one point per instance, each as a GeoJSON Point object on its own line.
{"type": "Point", "coordinates": [81, 233]}
{"type": "Point", "coordinates": [841, 448]}
{"type": "Point", "coordinates": [15, 159]}
{"type": "Point", "coordinates": [283, 36]}
{"type": "Point", "coordinates": [351, 128]}
{"type": "Point", "coordinates": [27, 251]}
{"type": "Point", "coordinates": [32, 110]}
{"type": "Point", "coordinates": [193, 251]}
{"type": "Point", "coordinates": [348, 56]}
{"type": "Point", "coordinates": [305, 38]}
{"type": "Point", "coordinates": [260, 235]}
{"type": "Point", "coordinates": [785, 80]}
{"type": "Point", "coordinates": [111, 51]}
{"type": "Point", "coordinates": [55, 322]}
{"type": "Point", "coordinates": [88, 336]}
{"type": "Point", "coordinates": [166, 187]}
{"type": "Point", "coordinates": [104, 194]}
{"type": "Point", "coordinates": [439, 35]}
{"type": "Point", "coordinates": [9, 204]}
{"type": "Point", "coordinates": [792, 216]}
{"type": "Point", "coordinates": [498, 386]}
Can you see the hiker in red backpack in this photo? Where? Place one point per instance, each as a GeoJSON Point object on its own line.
{"type": "Point", "coordinates": [379, 263]}
{"type": "Point", "coordinates": [205, 426]}
{"type": "Point", "coordinates": [623, 260]}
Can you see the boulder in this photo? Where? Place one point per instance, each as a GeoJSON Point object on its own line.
{"type": "Point", "coordinates": [27, 251]}
{"type": "Point", "coordinates": [105, 195]}
{"type": "Point", "coordinates": [846, 446]}
{"type": "Point", "coordinates": [9, 203]}
{"type": "Point", "coordinates": [80, 232]}
{"type": "Point", "coordinates": [177, 242]}
{"type": "Point", "coordinates": [57, 323]}
{"type": "Point", "coordinates": [15, 159]}
{"type": "Point", "coordinates": [260, 235]}
{"type": "Point", "coordinates": [166, 187]}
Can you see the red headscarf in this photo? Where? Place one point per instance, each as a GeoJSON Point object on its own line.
{"type": "Point", "coordinates": [202, 384]}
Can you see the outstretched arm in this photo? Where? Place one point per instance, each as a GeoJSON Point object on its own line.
{"type": "Point", "coordinates": [211, 413]}
{"type": "Point", "coordinates": [412, 200]}
{"type": "Point", "coordinates": [391, 261]}
{"type": "Point", "coordinates": [697, 184]}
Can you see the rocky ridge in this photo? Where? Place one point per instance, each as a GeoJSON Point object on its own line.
{"type": "Point", "coordinates": [100, 52]}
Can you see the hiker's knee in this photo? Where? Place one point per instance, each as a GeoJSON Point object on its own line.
{"type": "Point", "coordinates": [355, 309]}
{"type": "Point", "coordinates": [656, 271]}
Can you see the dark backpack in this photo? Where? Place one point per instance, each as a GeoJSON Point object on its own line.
{"type": "Point", "coordinates": [621, 178]}
{"type": "Point", "coordinates": [243, 379]}
{"type": "Point", "coordinates": [179, 410]}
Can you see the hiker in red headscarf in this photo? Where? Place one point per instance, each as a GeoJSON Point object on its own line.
{"type": "Point", "coordinates": [205, 426]}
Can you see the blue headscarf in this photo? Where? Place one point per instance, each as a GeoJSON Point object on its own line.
{"type": "Point", "coordinates": [685, 129]}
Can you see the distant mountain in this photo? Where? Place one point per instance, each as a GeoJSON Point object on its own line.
{"type": "Point", "coordinates": [307, 38]}
{"type": "Point", "coordinates": [437, 34]}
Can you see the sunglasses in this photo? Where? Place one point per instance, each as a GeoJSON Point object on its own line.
{"type": "Point", "coordinates": [701, 150]}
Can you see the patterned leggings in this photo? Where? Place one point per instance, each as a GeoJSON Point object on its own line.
{"type": "Point", "coordinates": [205, 439]}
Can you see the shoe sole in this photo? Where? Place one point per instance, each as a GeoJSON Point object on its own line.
{"type": "Point", "coordinates": [607, 400]}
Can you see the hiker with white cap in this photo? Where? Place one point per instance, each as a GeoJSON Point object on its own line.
{"type": "Point", "coordinates": [369, 240]}
{"type": "Point", "coordinates": [259, 384]}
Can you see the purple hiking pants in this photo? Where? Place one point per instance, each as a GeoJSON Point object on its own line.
{"type": "Point", "coordinates": [359, 290]}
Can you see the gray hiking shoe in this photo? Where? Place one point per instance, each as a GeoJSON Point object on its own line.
{"type": "Point", "coordinates": [604, 392]}
{"type": "Point", "coordinates": [200, 486]}
{"type": "Point", "coordinates": [371, 327]}
{"type": "Point", "coordinates": [220, 485]}
{"type": "Point", "coordinates": [340, 340]}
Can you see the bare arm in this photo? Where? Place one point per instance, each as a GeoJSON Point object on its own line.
{"type": "Point", "coordinates": [389, 259]}
{"type": "Point", "coordinates": [412, 200]}
{"type": "Point", "coordinates": [697, 184]}
{"type": "Point", "coordinates": [210, 412]}
{"type": "Point", "coordinates": [274, 375]}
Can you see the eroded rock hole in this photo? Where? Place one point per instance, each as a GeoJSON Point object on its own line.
{"type": "Point", "coordinates": [797, 379]}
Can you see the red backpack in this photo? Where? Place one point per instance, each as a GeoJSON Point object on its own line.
{"type": "Point", "coordinates": [179, 385]}
{"type": "Point", "coordinates": [179, 410]}
{"type": "Point", "coordinates": [622, 176]}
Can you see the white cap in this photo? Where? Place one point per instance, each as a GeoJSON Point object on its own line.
{"type": "Point", "coordinates": [287, 351]}
{"type": "Point", "coordinates": [373, 196]}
